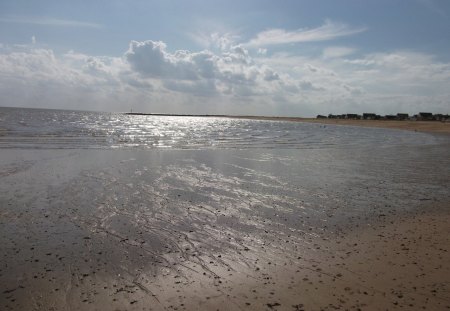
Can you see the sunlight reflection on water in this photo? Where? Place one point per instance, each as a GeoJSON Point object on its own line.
{"type": "Point", "coordinates": [38, 128]}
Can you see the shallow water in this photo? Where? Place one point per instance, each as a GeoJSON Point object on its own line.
{"type": "Point", "coordinates": [58, 129]}
{"type": "Point", "coordinates": [95, 206]}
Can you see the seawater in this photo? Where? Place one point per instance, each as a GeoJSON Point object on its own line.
{"type": "Point", "coordinates": [62, 129]}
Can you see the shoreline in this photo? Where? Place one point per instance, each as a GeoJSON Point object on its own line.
{"type": "Point", "coordinates": [417, 126]}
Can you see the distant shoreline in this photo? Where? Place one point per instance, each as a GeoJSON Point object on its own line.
{"type": "Point", "coordinates": [418, 126]}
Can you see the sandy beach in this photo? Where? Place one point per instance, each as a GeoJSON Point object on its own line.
{"type": "Point", "coordinates": [420, 126]}
{"type": "Point", "coordinates": [391, 265]}
{"type": "Point", "coordinates": [195, 213]}
{"type": "Point", "coordinates": [225, 230]}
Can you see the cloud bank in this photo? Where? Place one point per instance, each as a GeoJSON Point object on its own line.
{"type": "Point", "coordinates": [149, 77]}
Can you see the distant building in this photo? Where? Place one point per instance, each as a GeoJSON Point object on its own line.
{"type": "Point", "coordinates": [351, 116]}
{"type": "Point", "coordinates": [369, 116]}
{"type": "Point", "coordinates": [441, 117]}
{"type": "Point", "coordinates": [402, 116]}
{"type": "Point", "coordinates": [421, 116]}
{"type": "Point", "coordinates": [425, 116]}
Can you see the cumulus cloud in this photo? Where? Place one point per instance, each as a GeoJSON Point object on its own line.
{"type": "Point", "coordinates": [400, 73]}
{"type": "Point", "coordinates": [150, 58]}
{"type": "Point", "coordinates": [381, 82]}
{"type": "Point", "coordinates": [36, 77]}
{"type": "Point", "coordinates": [328, 31]}
{"type": "Point", "coordinates": [331, 81]}
{"type": "Point", "coordinates": [216, 40]}
{"type": "Point", "coordinates": [149, 77]}
{"type": "Point", "coordinates": [308, 86]}
{"type": "Point", "coordinates": [262, 51]}
{"type": "Point", "coordinates": [203, 73]}
{"type": "Point", "coordinates": [147, 74]}
{"type": "Point", "coordinates": [270, 75]}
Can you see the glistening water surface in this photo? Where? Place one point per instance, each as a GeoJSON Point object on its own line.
{"type": "Point", "coordinates": [58, 129]}
{"type": "Point", "coordinates": [100, 206]}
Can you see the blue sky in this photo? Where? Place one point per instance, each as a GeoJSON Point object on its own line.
{"type": "Point", "coordinates": [237, 57]}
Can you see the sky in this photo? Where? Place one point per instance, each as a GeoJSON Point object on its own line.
{"type": "Point", "coordinates": [253, 57]}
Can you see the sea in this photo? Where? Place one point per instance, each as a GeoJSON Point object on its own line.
{"type": "Point", "coordinates": [63, 129]}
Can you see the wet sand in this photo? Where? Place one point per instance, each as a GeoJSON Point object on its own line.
{"type": "Point", "coordinates": [225, 230]}
{"type": "Point", "coordinates": [419, 126]}
{"type": "Point", "coordinates": [403, 264]}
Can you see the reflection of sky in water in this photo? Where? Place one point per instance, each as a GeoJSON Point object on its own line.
{"type": "Point", "coordinates": [24, 128]}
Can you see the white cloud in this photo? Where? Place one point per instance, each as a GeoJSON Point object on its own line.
{"type": "Point", "coordinates": [232, 72]}
{"type": "Point", "coordinates": [38, 78]}
{"type": "Point", "coordinates": [199, 88]}
{"type": "Point", "coordinates": [270, 75]}
{"type": "Point", "coordinates": [337, 51]}
{"type": "Point", "coordinates": [400, 73]}
{"type": "Point", "coordinates": [328, 31]}
{"type": "Point", "coordinates": [309, 86]}
{"type": "Point", "coordinates": [46, 21]}
{"type": "Point", "coordinates": [148, 77]}
{"type": "Point", "coordinates": [215, 40]}
{"type": "Point", "coordinates": [262, 51]}
{"type": "Point", "coordinates": [151, 59]}
{"type": "Point", "coordinates": [381, 82]}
